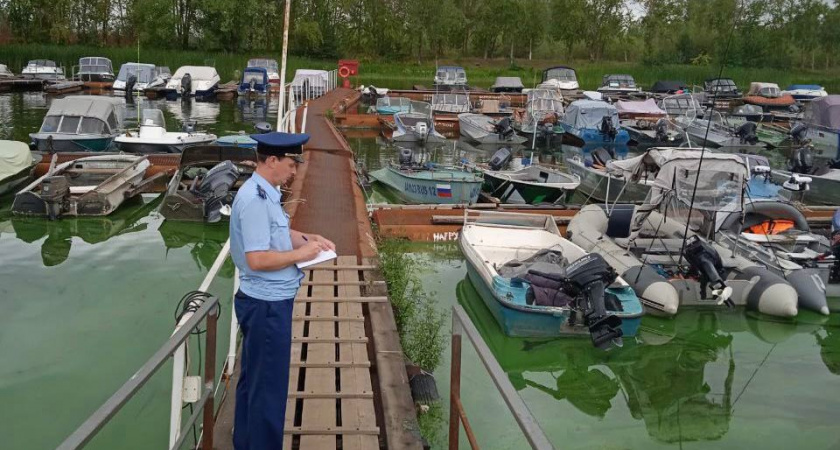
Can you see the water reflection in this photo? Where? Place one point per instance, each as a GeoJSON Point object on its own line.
{"type": "Point", "coordinates": [59, 233]}
{"type": "Point", "coordinates": [205, 242]}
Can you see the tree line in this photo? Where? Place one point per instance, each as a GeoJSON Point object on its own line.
{"type": "Point", "coordinates": [774, 33]}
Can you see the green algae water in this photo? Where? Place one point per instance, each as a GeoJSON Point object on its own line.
{"type": "Point", "coordinates": [85, 302]}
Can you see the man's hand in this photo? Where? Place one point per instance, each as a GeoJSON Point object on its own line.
{"type": "Point", "coordinates": [309, 251]}
{"type": "Point", "coordinates": [327, 244]}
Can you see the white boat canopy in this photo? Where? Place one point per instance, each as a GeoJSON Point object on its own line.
{"type": "Point", "coordinates": [153, 118]}
{"type": "Point", "coordinates": [106, 109]}
{"type": "Point", "coordinates": [313, 78]}
{"type": "Point", "coordinates": [5, 72]}
{"type": "Point", "coordinates": [95, 64]}
{"type": "Point", "coordinates": [769, 90]}
{"type": "Point", "coordinates": [648, 107]}
{"type": "Point", "coordinates": [14, 157]}
{"type": "Point", "coordinates": [589, 113]}
{"type": "Point", "coordinates": [196, 72]}
{"type": "Point", "coordinates": [508, 82]}
{"type": "Point", "coordinates": [824, 112]}
{"type": "Point", "coordinates": [145, 73]}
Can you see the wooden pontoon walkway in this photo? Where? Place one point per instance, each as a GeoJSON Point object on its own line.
{"type": "Point", "coordinates": [348, 387]}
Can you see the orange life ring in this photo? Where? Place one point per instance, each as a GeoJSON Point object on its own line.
{"type": "Point", "coordinates": [344, 71]}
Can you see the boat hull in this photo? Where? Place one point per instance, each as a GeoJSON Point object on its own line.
{"type": "Point", "coordinates": [595, 185]}
{"type": "Point", "coordinates": [431, 190]}
{"type": "Point", "coordinates": [513, 191]}
{"type": "Point", "coordinates": [72, 143]}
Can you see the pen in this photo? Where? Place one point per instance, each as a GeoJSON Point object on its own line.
{"type": "Point", "coordinates": [304, 237]}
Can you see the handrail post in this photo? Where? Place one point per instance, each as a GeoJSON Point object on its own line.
{"type": "Point", "coordinates": [455, 391]}
{"type": "Point", "coordinates": [234, 327]}
{"type": "Point", "coordinates": [209, 378]}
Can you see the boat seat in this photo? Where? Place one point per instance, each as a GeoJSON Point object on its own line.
{"type": "Point", "coordinates": [78, 190]}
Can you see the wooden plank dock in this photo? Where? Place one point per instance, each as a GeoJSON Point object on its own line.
{"type": "Point", "coordinates": [348, 388]}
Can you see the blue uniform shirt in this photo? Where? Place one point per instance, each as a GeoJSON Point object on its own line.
{"type": "Point", "coordinates": [258, 223]}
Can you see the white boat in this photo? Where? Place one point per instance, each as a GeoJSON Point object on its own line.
{"type": "Point", "coordinates": [560, 77]}
{"type": "Point", "coordinates": [90, 186]}
{"type": "Point", "coordinates": [618, 84]}
{"type": "Point", "coordinates": [416, 125]}
{"type": "Point", "coordinates": [270, 65]}
{"type": "Point", "coordinates": [509, 257]}
{"type": "Point", "coordinates": [162, 76]}
{"type": "Point", "coordinates": [43, 69]}
{"type": "Point", "coordinates": [143, 75]}
{"type": "Point", "coordinates": [95, 69]}
{"type": "Point", "coordinates": [153, 137]}
{"type": "Point", "coordinates": [5, 72]}
{"type": "Point", "coordinates": [805, 92]}
{"type": "Point", "coordinates": [485, 130]}
{"type": "Point", "coordinates": [16, 165]}
{"type": "Point", "coordinates": [450, 76]}
{"type": "Point", "coordinates": [309, 83]}
{"type": "Point", "coordinates": [197, 81]}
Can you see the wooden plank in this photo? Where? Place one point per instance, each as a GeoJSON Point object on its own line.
{"type": "Point", "coordinates": [358, 413]}
{"type": "Point", "coordinates": [327, 319]}
{"type": "Point", "coordinates": [294, 371]}
{"type": "Point", "coordinates": [333, 364]}
{"type": "Point", "coordinates": [323, 298]}
{"type": "Point", "coordinates": [342, 283]}
{"type": "Point", "coordinates": [328, 340]}
{"type": "Point", "coordinates": [327, 432]}
{"type": "Point", "coordinates": [400, 418]}
{"type": "Point", "coordinates": [351, 267]}
{"type": "Point", "coordinates": [341, 395]}
{"type": "Point", "coordinates": [319, 414]}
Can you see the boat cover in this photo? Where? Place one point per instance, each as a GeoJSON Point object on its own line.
{"type": "Point", "coordinates": [804, 87]}
{"type": "Point", "coordinates": [770, 90]}
{"type": "Point", "coordinates": [87, 106]}
{"type": "Point", "coordinates": [588, 113]}
{"type": "Point", "coordinates": [314, 78]}
{"type": "Point", "coordinates": [824, 112]}
{"type": "Point", "coordinates": [14, 157]}
{"type": "Point", "coordinates": [196, 73]}
{"type": "Point", "coordinates": [5, 72]}
{"type": "Point", "coordinates": [668, 87]}
{"type": "Point", "coordinates": [143, 72]}
{"type": "Point", "coordinates": [720, 186]}
{"type": "Point", "coordinates": [561, 73]}
{"type": "Point", "coordinates": [269, 64]}
{"type": "Point", "coordinates": [647, 107]}
{"type": "Point", "coordinates": [95, 64]}
{"type": "Point", "coordinates": [508, 82]}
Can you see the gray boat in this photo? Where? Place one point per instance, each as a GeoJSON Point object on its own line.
{"type": "Point", "coordinates": [717, 133]}
{"type": "Point", "coordinates": [16, 165]}
{"type": "Point", "coordinates": [428, 183]}
{"type": "Point", "coordinates": [822, 119]}
{"type": "Point", "coordinates": [486, 130]}
{"type": "Point", "coordinates": [416, 125]}
{"type": "Point", "coordinates": [598, 184]}
{"type": "Point", "coordinates": [84, 123]}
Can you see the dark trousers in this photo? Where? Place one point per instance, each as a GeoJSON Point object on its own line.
{"type": "Point", "coordinates": [264, 372]}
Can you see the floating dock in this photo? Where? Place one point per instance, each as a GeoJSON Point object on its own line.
{"type": "Point", "coordinates": [64, 87]}
{"type": "Point", "coordinates": [21, 84]}
{"type": "Point", "coordinates": [348, 387]}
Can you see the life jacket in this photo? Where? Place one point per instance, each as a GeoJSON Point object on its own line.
{"type": "Point", "coordinates": [772, 226]}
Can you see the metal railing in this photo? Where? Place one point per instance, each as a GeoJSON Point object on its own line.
{"type": "Point", "coordinates": [461, 324]}
{"type": "Point", "coordinates": [208, 310]}
{"type": "Point", "coordinates": [296, 96]}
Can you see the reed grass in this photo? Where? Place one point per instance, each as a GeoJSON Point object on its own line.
{"type": "Point", "coordinates": [403, 74]}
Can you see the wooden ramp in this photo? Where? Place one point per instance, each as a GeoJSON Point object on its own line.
{"type": "Point", "coordinates": [330, 402]}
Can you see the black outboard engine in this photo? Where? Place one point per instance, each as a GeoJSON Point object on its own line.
{"type": "Point", "coordinates": [801, 160]}
{"type": "Point", "coordinates": [214, 188]}
{"type": "Point", "coordinates": [607, 128]}
{"type": "Point", "coordinates": [503, 128]}
{"type": "Point", "coordinates": [797, 132]}
{"type": "Point", "coordinates": [662, 130]}
{"type": "Point", "coordinates": [406, 157]}
{"type": "Point", "coordinates": [54, 192]}
{"type": "Point", "coordinates": [262, 127]}
{"type": "Point", "coordinates": [747, 133]}
{"type": "Point", "coordinates": [129, 85]}
{"type": "Point", "coordinates": [705, 262]}
{"type": "Point", "coordinates": [186, 85]}
{"type": "Point", "coordinates": [500, 159]}
{"type": "Point", "coordinates": [586, 279]}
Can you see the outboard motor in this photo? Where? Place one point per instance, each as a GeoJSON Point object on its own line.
{"type": "Point", "coordinates": [500, 159]}
{"type": "Point", "coordinates": [252, 86]}
{"type": "Point", "coordinates": [262, 127]}
{"type": "Point", "coordinates": [607, 128]}
{"type": "Point", "coordinates": [747, 133]}
{"type": "Point", "coordinates": [54, 191]}
{"type": "Point", "coordinates": [798, 132]}
{"type": "Point", "coordinates": [188, 126]}
{"type": "Point", "coordinates": [662, 130]}
{"type": "Point", "coordinates": [705, 262]}
{"type": "Point", "coordinates": [214, 188]}
{"type": "Point", "coordinates": [422, 130]}
{"type": "Point", "coordinates": [503, 128]}
{"type": "Point", "coordinates": [801, 160]}
{"type": "Point", "coordinates": [129, 85]}
{"type": "Point", "coordinates": [186, 85]}
{"type": "Point", "coordinates": [586, 279]}
{"type": "Point", "coordinates": [406, 157]}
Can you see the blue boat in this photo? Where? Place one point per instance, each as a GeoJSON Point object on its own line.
{"type": "Point", "coordinates": [254, 81]}
{"type": "Point", "coordinates": [596, 123]}
{"type": "Point", "coordinates": [237, 140]}
{"type": "Point", "coordinates": [388, 106]}
{"type": "Point", "coordinates": [429, 183]}
{"type": "Point", "coordinates": [503, 249]}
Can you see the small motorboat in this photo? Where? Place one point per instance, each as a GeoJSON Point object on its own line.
{"type": "Point", "coordinates": [43, 69]}
{"type": "Point", "coordinates": [152, 136]}
{"type": "Point", "coordinates": [5, 72]}
{"type": "Point", "coordinates": [90, 186]}
{"type": "Point", "coordinates": [618, 84]}
{"type": "Point", "coordinates": [486, 130]}
{"type": "Point", "coordinates": [207, 180]}
{"type": "Point", "coordinates": [507, 84]}
{"type": "Point", "coordinates": [451, 103]}
{"type": "Point", "coordinates": [450, 77]}
{"type": "Point", "coordinates": [428, 183]}
{"type": "Point", "coordinates": [599, 183]}
{"type": "Point", "coordinates": [85, 123]}
{"type": "Point", "coordinates": [254, 81]}
{"type": "Point", "coordinates": [134, 77]}
{"type": "Point", "coordinates": [416, 125]}
{"type": "Point", "coordinates": [271, 67]}
{"type": "Point", "coordinates": [162, 76]}
{"type": "Point", "coordinates": [543, 111]}
{"type": "Point", "coordinates": [538, 284]}
{"type": "Point", "coordinates": [805, 92]}
{"type": "Point", "coordinates": [669, 87]}
{"type": "Point", "coordinates": [16, 165]}
{"type": "Point", "coordinates": [719, 133]}
{"type": "Point", "coordinates": [563, 78]}
{"type": "Point", "coordinates": [388, 106]}
{"type": "Point", "coordinates": [665, 248]}
{"type": "Point", "coordinates": [506, 179]}
{"type": "Point", "coordinates": [192, 81]}
{"type": "Point", "coordinates": [596, 123]}
{"type": "Point", "coordinates": [242, 139]}
{"type": "Point", "coordinates": [821, 125]}
{"type": "Point", "coordinates": [95, 69]}
{"type": "Point", "coordinates": [647, 124]}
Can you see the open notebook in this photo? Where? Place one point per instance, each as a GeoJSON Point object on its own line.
{"type": "Point", "coordinates": [325, 255]}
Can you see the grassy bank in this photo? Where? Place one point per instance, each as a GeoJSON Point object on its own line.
{"type": "Point", "coordinates": [400, 74]}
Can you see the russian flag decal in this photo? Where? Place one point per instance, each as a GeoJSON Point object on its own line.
{"type": "Point", "coordinates": [444, 190]}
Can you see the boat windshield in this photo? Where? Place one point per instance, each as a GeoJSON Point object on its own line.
{"type": "Point", "coordinates": [421, 108]}
{"type": "Point", "coordinates": [680, 105]}
{"type": "Point", "coordinates": [153, 118]}
{"type": "Point", "coordinates": [451, 75]}
{"type": "Point", "coordinates": [769, 92]}
{"type": "Point", "coordinates": [256, 76]}
{"type": "Point", "coordinates": [619, 81]}
{"type": "Point", "coordinates": [92, 125]}
{"type": "Point", "coordinates": [722, 85]}
{"type": "Point", "coordinates": [163, 71]}
{"type": "Point", "coordinates": [95, 65]}
{"type": "Point", "coordinates": [269, 64]}
{"type": "Point", "coordinates": [41, 63]}
{"type": "Point", "coordinates": [143, 72]}
{"type": "Point", "coordinates": [560, 73]}
{"type": "Point", "coordinates": [50, 124]}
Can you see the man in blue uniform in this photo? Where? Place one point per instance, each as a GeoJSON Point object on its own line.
{"type": "Point", "coordinates": [265, 249]}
